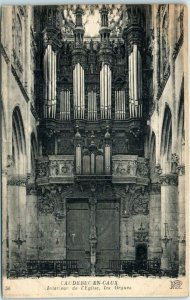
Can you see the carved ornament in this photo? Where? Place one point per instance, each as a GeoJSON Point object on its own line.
{"type": "Point", "coordinates": [17, 180]}
{"type": "Point", "coordinates": [169, 179]}
{"type": "Point", "coordinates": [134, 199]}
{"type": "Point", "coordinates": [141, 235]}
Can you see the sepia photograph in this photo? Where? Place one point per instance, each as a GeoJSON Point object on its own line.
{"type": "Point", "coordinates": [94, 118]}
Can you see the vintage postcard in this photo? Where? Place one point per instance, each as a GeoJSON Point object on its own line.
{"type": "Point", "coordinates": [94, 150]}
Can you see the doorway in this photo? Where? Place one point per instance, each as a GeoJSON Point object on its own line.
{"type": "Point", "coordinates": [107, 224]}
{"type": "Point", "coordinates": [78, 230]}
{"type": "Point", "coordinates": [141, 252]}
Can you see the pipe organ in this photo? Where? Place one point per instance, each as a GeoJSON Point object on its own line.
{"type": "Point", "coordinates": [65, 105]}
{"type": "Point", "coordinates": [92, 106]}
{"type": "Point", "coordinates": [105, 91]}
{"type": "Point", "coordinates": [78, 92]}
{"type": "Point", "coordinates": [89, 158]}
{"type": "Point", "coordinates": [100, 84]}
{"type": "Point", "coordinates": [135, 83]}
{"type": "Point", "coordinates": [104, 65]}
{"type": "Point", "coordinates": [120, 105]}
{"type": "Point", "coordinates": [49, 66]}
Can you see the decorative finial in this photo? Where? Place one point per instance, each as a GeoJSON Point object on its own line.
{"type": "Point", "coordinates": [107, 134]}
{"type": "Point", "coordinates": [77, 134]}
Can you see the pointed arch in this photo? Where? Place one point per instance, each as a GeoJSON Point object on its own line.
{"type": "Point", "coordinates": [180, 114]}
{"type": "Point", "coordinates": [3, 120]}
{"type": "Point", "coordinates": [153, 147]}
{"type": "Point", "coordinates": [34, 153]}
{"type": "Point", "coordinates": [166, 136]}
{"type": "Point", "coordinates": [180, 125]}
{"type": "Point", "coordinates": [152, 153]}
{"type": "Point", "coordinates": [18, 141]}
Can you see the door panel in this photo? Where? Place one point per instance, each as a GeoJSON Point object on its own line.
{"type": "Point", "coordinates": [107, 222]}
{"type": "Point", "coordinates": [78, 247]}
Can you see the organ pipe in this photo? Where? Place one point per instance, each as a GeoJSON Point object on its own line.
{"type": "Point", "coordinates": [78, 92]}
{"type": "Point", "coordinates": [65, 105]}
{"type": "Point", "coordinates": [135, 83]}
{"type": "Point", "coordinates": [49, 66]}
{"type": "Point", "coordinates": [78, 160]}
{"type": "Point", "coordinates": [119, 105]}
{"type": "Point", "coordinates": [105, 92]}
{"type": "Point", "coordinates": [55, 80]}
{"type": "Point", "coordinates": [92, 106]}
{"type": "Point", "coordinates": [107, 159]}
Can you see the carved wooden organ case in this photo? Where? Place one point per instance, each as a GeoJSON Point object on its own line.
{"type": "Point", "coordinates": [93, 94]}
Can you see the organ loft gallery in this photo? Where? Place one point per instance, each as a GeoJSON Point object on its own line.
{"type": "Point", "coordinates": [93, 158]}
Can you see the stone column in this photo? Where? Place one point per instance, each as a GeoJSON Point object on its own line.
{"type": "Point", "coordinates": [181, 219]}
{"type": "Point", "coordinates": [31, 222]}
{"type": "Point", "coordinates": [154, 221]}
{"type": "Point", "coordinates": [169, 221]}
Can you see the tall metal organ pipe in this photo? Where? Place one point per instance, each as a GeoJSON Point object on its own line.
{"type": "Point", "coordinates": [105, 92]}
{"type": "Point", "coordinates": [119, 105]}
{"type": "Point", "coordinates": [78, 92]}
{"type": "Point", "coordinates": [135, 83]}
{"type": "Point", "coordinates": [92, 106]}
{"type": "Point", "coordinates": [65, 105]}
{"type": "Point", "coordinates": [49, 67]}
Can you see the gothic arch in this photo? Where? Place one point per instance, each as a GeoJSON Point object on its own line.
{"type": "Point", "coordinates": [18, 142]}
{"type": "Point", "coordinates": [3, 133]}
{"type": "Point", "coordinates": [166, 137]}
{"type": "Point", "coordinates": [152, 152]}
{"type": "Point", "coordinates": [166, 130]}
{"type": "Point", "coordinates": [34, 153]}
{"type": "Point", "coordinates": [180, 121]}
{"type": "Point", "coordinates": [153, 147]}
{"type": "Point", "coordinates": [3, 121]}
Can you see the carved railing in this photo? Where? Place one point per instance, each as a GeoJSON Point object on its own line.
{"type": "Point", "coordinates": [129, 168]}
{"type": "Point", "coordinates": [52, 267]}
{"type": "Point", "coordinates": [60, 169]}
{"type": "Point", "coordinates": [55, 168]}
{"type": "Point", "coordinates": [149, 266]}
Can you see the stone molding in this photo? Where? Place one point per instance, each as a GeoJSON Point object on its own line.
{"type": "Point", "coordinates": [17, 180]}
{"type": "Point", "coordinates": [169, 179]}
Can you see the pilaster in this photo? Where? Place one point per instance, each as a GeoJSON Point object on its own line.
{"type": "Point", "coordinates": [169, 222]}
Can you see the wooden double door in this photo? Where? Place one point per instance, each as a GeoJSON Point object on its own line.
{"type": "Point", "coordinates": [79, 223]}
